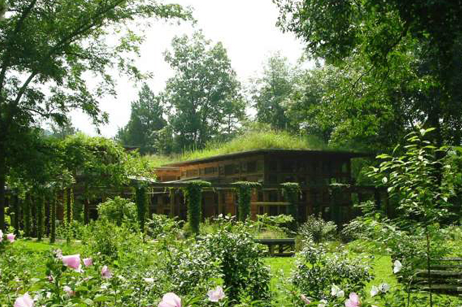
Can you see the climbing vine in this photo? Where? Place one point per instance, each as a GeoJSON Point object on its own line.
{"type": "Point", "coordinates": [141, 204]}
{"type": "Point", "coordinates": [193, 196]}
{"type": "Point", "coordinates": [27, 216]}
{"type": "Point", "coordinates": [244, 190]}
{"type": "Point", "coordinates": [291, 191]}
{"type": "Point", "coordinates": [53, 204]}
{"type": "Point", "coordinates": [40, 217]}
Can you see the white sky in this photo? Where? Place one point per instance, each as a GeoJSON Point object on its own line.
{"type": "Point", "coordinates": [245, 27]}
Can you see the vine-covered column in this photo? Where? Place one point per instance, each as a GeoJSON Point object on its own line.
{"type": "Point", "coordinates": [291, 191]}
{"type": "Point", "coordinates": [16, 208]}
{"type": "Point", "coordinates": [244, 190]}
{"type": "Point", "coordinates": [140, 192]}
{"type": "Point", "coordinates": [193, 197]}
{"type": "Point", "coordinates": [53, 204]}
{"type": "Point", "coordinates": [27, 215]}
{"type": "Point", "coordinates": [40, 217]}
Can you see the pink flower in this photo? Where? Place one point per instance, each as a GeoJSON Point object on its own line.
{"type": "Point", "coordinates": [72, 261]}
{"type": "Point", "coordinates": [88, 261]}
{"type": "Point", "coordinates": [305, 299]}
{"type": "Point", "coordinates": [24, 301]}
{"type": "Point", "coordinates": [10, 237]}
{"type": "Point", "coordinates": [353, 301]}
{"type": "Point", "coordinates": [216, 294]}
{"type": "Point", "coordinates": [105, 272]}
{"type": "Point", "coordinates": [170, 300]}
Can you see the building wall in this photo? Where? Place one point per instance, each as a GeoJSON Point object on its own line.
{"type": "Point", "coordinates": [314, 172]}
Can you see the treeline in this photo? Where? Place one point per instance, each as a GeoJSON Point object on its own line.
{"type": "Point", "coordinates": [353, 102]}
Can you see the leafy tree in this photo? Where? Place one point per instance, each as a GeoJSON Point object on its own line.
{"type": "Point", "coordinates": [204, 93]}
{"type": "Point", "coordinates": [146, 120]}
{"type": "Point", "coordinates": [271, 92]}
{"type": "Point", "coordinates": [419, 40]}
{"type": "Point", "coordinates": [47, 49]}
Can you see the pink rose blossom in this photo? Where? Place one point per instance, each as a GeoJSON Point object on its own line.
{"type": "Point", "coordinates": [72, 261]}
{"type": "Point", "coordinates": [10, 237]}
{"type": "Point", "coordinates": [105, 272]}
{"type": "Point", "coordinates": [170, 300]}
{"type": "Point", "coordinates": [88, 261]}
{"type": "Point", "coordinates": [24, 301]}
{"type": "Point", "coordinates": [216, 294]}
{"type": "Point", "coordinates": [353, 301]}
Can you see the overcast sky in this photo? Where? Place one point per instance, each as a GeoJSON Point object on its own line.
{"type": "Point", "coordinates": [245, 27]}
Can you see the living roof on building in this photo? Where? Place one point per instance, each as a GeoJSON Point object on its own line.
{"type": "Point", "coordinates": [290, 152]}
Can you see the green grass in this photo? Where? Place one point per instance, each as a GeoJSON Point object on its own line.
{"type": "Point", "coordinates": [252, 140]}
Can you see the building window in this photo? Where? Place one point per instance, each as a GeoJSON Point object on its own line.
{"type": "Point", "coordinates": [261, 210]}
{"type": "Point", "coordinates": [252, 166]}
{"type": "Point", "coordinates": [273, 166]}
{"type": "Point", "coordinates": [229, 169]}
{"type": "Point", "coordinates": [272, 196]}
{"type": "Point", "coordinates": [209, 170]}
{"type": "Point", "coordinates": [273, 179]}
{"type": "Point", "coordinates": [287, 166]}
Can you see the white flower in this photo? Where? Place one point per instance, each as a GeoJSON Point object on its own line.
{"type": "Point", "coordinates": [216, 294]}
{"type": "Point", "coordinates": [384, 287]}
{"type": "Point", "coordinates": [374, 291]}
{"type": "Point", "coordinates": [149, 280]}
{"type": "Point", "coordinates": [322, 303]}
{"type": "Point", "coordinates": [397, 266]}
{"type": "Point", "coordinates": [336, 291]}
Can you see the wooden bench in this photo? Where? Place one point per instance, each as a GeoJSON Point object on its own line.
{"type": "Point", "coordinates": [279, 247]}
{"type": "Point", "coordinates": [445, 276]}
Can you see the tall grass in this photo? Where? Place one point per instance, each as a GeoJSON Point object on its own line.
{"type": "Point", "coordinates": [252, 140]}
{"type": "Point", "coordinates": [256, 140]}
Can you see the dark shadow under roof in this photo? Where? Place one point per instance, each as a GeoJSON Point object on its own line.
{"type": "Point", "coordinates": [290, 152]}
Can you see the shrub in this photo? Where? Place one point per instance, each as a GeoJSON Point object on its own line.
{"type": "Point", "coordinates": [161, 225]}
{"type": "Point", "coordinates": [241, 266]}
{"type": "Point", "coordinates": [317, 230]}
{"type": "Point", "coordinates": [118, 210]}
{"type": "Point", "coordinates": [273, 226]}
{"type": "Point", "coordinates": [316, 272]}
{"type": "Point", "coordinates": [111, 241]}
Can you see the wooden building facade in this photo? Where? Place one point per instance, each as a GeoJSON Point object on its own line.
{"type": "Point", "coordinates": [316, 172]}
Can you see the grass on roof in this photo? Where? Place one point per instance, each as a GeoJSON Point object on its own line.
{"type": "Point", "coordinates": [255, 140]}
{"type": "Point", "coordinates": [249, 141]}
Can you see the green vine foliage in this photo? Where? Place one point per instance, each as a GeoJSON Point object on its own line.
{"type": "Point", "coordinates": [141, 205]}
{"type": "Point", "coordinates": [292, 192]}
{"type": "Point", "coordinates": [244, 190]}
{"type": "Point", "coordinates": [27, 215]}
{"type": "Point", "coordinates": [40, 217]}
{"type": "Point", "coordinates": [53, 204]}
{"type": "Point", "coordinates": [193, 196]}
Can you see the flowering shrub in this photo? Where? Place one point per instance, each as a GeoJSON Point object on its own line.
{"type": "Point", "coordinates": [240, 263]}
{"type": "Point", "coordinates": [320, 275]}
